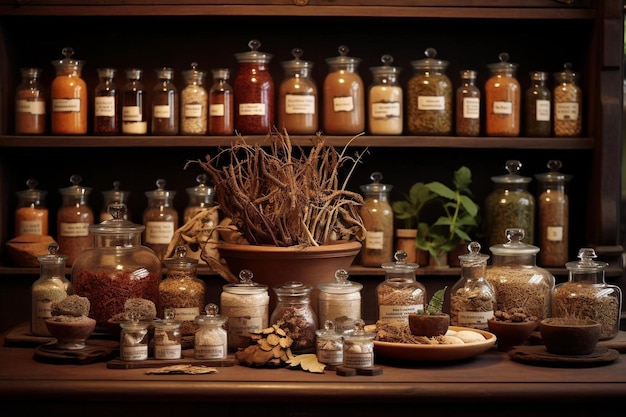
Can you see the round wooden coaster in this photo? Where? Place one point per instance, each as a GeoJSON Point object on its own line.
{"type": "Point", "coordinates": [538, 355]}
{"type": "Point", "coordinates": [94, 351]}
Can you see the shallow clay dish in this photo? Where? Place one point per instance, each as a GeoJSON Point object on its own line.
{"type": "Point", "coordinates": [511, 334]}
{"type": "Point", "coordinates": [70, 332]}
{"type": "Point", "coordinates": [563, 336]}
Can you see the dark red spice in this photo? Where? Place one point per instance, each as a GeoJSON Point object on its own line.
{"type": "Point", "coordinates": [254, 99]}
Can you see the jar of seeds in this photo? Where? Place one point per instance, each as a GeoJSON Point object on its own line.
{"type": "Point", "coordinates": [181, 292]}
{"type": "Point", "coordinates": [340, 302]}
{"type": "Point", "coordinates": [568, 102]}
{"type": "Point", "coordinates": [193, 103]}
{"type": "Point", "coordinates": [400, 293]}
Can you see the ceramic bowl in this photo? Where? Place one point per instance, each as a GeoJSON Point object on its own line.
{"type": "Point", "coordinates": [510, 333]}
{"type": "Point", "coordinates": [429, 325]}
{"type": "Point", "coordinates": [566, 336]}
{"type": "Point", "coordinates": [70, 332]}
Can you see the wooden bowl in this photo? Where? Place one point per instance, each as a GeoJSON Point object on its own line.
{"type": "Point", "coordinates": [429, 325]}
{"type": "Point", "coordinates": [70, 332]}
{"type": "Point", "coordinates": [565, 336]}
{"type": "Point", "coordinates": [511, 333]}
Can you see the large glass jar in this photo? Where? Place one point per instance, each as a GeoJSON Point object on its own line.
{"type": "Point", "coordinates": [468, 105]}
{"type": "Point", "coordinates": [518, 281]}
{"type": "Point", "coordinates": [297, 97]}
{"type": "Point", "coordinates": [377, 216]}
{"type": "Point", "coordinates": [538, 109]}
{"type": "Point", "coordinates": [106, 119]}
{"type": "Point", "coordinates": [194, 103]}
{"type": "Point", "coordinates": [74, 219]}
{"type": "Point", "coordinates": [502, 99]}
{"type": "Point", "coordinates": [181, 292]}
{"type": "Point", "coordinates": [134, 106]}
{"type": "Point", "coordinates": [68, 95]}
{"type": "Point", "coordinates": [160, 219]}
{"type": "Point", "coordinates": [385, 102]}
{"type": "Point", "coordinates": [165, 103]}
{"type": "Point", "coordinates": [509, 205]}
{"type": "Point", "coordinates": [429, 97]}
{"type": "Point", "coordinates": [294, 314]}
{"type": "Point", "coordinates": [586, 295]}
{"type": "Point", "coordinates": [339, 301]}
{"type": "Point", "coordinates": [30, 104]}
{"type": "Point", "coordinates": [116, 268]}
{"type": "Point", "coordinates": [343, 98]}
{"type": "Point", "coordinates": [31, 214]}
{"type": "Point", "coordinates": [254, 92]}
{"type": "Point", "coordinates": [568, 102]}
{"type": "Point", "coordinates": [221, 104]}
{"type": "Point", "coordinates": [400, 293]}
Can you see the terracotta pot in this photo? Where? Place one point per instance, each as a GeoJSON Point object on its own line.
{"type": "Point", "coordinates": [429, 325]}
{"type": "Point", "coordinates": [565, 336]}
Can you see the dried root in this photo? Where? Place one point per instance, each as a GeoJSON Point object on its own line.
{"type": "Point", "coordinates": [271, 347]}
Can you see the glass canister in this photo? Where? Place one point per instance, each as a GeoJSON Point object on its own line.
{"type": "Point", "coordinates": [134, 104]}
{"type": "Point", "coordinates": [200, 198]}
{"type": "Point", "coordinates": [194, 103]}
{"type": "Point", "coordinates": [294, 314]}
{"type": "Point", "coordinates": [254, 92]}
{"type": "Point", "coordinates": [134, 340]}
{"type": "Point", "coordinates": [31, 214]}
{"type": "Point", "coordinates": [343, 98]}
{"type": "Point", "coordinates": [165, 104]}
{"type": "Point", "coordinates": [518, 281]}
{"type": "Point", "coordinates": [586, 295]}
{"type": "Point", "coordinates": [51, 287]}
{"type": "Point", "coordinates": [377, 216]}
{"type": "Point", "coordinates": [30, 104]}
{"type": "Point", "coordinates": [246, 303]}
{"type": "Point", "coordinates": [568, 102]}
{"type": "Point", "coordinates": [68, 95]}
{"type": "Point", "coordinates": [221, 104]}
{"type": "Point", "coordinates": [358, 347]}
{"type": "Point", "coordinates": [339, 301]}
{"type": "Point", "coordinates": [329, 345]}
{"type": "Point", "coordinates": [538, 108]}
{"type": "Point", "coordinates": [297, 97]}
{"type": "Point", "coordinates": [167, 337]}
{"type": "Point", "coordinates": [472, 297]}
{"type": "Point", "coordinates": [468, 105]}
{"type": "Point", "coordinates": [400, 293]}
{"type": "Point", "coordinates": [74, 220]}
{"type": "Point", "coordinates": [181, 292]}
{"type": "Point", "coordinates": [106, 104]}
{"type": "Point", "coordinates": [502, 99]}
{"type": "Point", "coordinates": [211, 339]}
{"type": "Point", "coordinates": [385, 101]}
{"type": "Point", "coordinates": [553, 216]}
{"type": "Point", "coordinates": [115, 195]}
{"type": "Point", "coordinates": [160, 219]}
{"type": "Point", "coordinates": [116, 269]}
{"type": "Point", "coordinates": [429, 97]}
{"type": "Point", "coordinates": [509, 205]}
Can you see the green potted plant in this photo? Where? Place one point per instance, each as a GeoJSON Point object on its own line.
{"type": "Point", "coordinates": [431, 320]}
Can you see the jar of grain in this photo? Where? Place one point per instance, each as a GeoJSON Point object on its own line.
{"type": "Point", "coordinates": [340, 302]}
{"type": "Point", "coordinates": [502, 99]}
{"type": "Point", "coordinates": [519, 283]}
{"type": "Point", "coordinates": [167, 337]}
{"type": "Point", "coordinates": [509, 205]}
{"type": "Point", "coordinates": [194, 103]}
{"type": "Point", "coordinates": [358, 347]}
{"type": "Point", "coordinates": [68, 95]}
{"type": "Point", "coordinates": [296, 316]}
{"type": "Point", "coordinates": [106, 119]}
{"type": "Point", "coordinates": [468, 105]}
{"type": "Point", "coordinates": [553, 216]}
{"type": "Point", "coordinates": [200, 198]}
{"type": "Point", "coordinates": [74, 220]}
{"type": "Point", "coordinates": [329, 345]}
{"type": "Point", "coordinates": [113, 196]}
{"type": "Point", "coordinates": [31, 214]}
{"type": "Point", "coordinates": [429, 97]}
{"type": "Point", "coordinates": [400, 293]}
{"type": "Point", "coordinates": [160, 219]}
{"type": "Point", "coordinates": [254, 92]}
{"type": "Point", "coordinates": [586, 295]}
{"type": "Point", "coordinates": [117, 268]}
{"type": "Point", "coordinates": [538, 108]}
{"type": "Point", "coordinates": [343, 96]}
{"type": "Point", "coordinates": [385, 100]}
{"type": "Point", "coordinates": [30, 104]}
{"type": "Point", "coordinates": [221, 104]}
{"type": "Point", "coordinates": [211, 338]}
{"type": "Point", "coordinates": [377, 216]}
{"type": "Point", "coordinates": [568, 103]}
{"type": "Point", "coordinates": [134, 106]}
{"type": "Point", "coordinates": [181, 291]}
{"type": "Point", "coordinates": [165, 103]}
{"type": "Point", "coordinates": [134, 340]}
{"type": "Point", "coordinates": [246, 303]}
{"type": "Point", "coordinates": [297, 97]}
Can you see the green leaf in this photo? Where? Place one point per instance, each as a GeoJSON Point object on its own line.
{"type": "Point", "coordinates": [441, 190]}
{"type": "Point", "coordinates": [435, 305]}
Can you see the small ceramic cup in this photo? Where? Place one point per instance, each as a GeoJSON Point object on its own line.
{"type": "Point", "coordinates": [568, 336]}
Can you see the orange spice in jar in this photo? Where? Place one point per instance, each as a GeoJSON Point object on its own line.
{"type": "Point", "coordinates": [74, 219]}
{"type": "Point", "coordinates": [502, 99]}
{"type": "Point", "coordinates": [31, 215]}
{"type": "Point", "coordinates": [69, 97]}
{"type": "Point", "coordinates": [30, 104]}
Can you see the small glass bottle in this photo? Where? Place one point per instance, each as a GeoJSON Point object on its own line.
{"type": "Point", "coordinates": [254, 92]}
{"type": "Point", "coordinates": [568, 103]}
{"type": "Point", "coordinates": [51, 287]}
{"type": "Point", "coordinates": [429, 97]}
{"type": "Point", "coordinates": [194, 103]}
{"type": "Point", "coordinates": [134, 106]}
{"type": "Point", "coordinates": [400, 293]}
{"type": "Point", "coordinates": [113, 196]}
{"type": "Point", "coordinates": [211, 339]}
{"type": "Point", "coordinates": [30, 104]}
{"type": "Point", "coordinates": [472, 297]}
{"type": "Point", "coordinates": [31, 214]}
{"type": "Point", "coordinates": [73, 220]}
{"type": "Point", "coordinates": [385, 100]}
{"type": "Point", "coordinates": [343, 98]}
{"type": "Point", "coordinates": [502, 99]}
{"type": "Point", "coordinates": [553, 216]}
{"type": "Point", "coordinates": [68, 95]}
{"type": "Point", "coordinates": [294, 314]}
{"type": "Point", "coordinates": [167, 338]}
{"type": "Point", "coordinates": [358, 347]}
{"type": "Point", "coordinates": [106, 104]}
{"type": "Point", "coordinates": [297, 97]}
{"type": "Point", "coordinates": [586, 295]}
{"type": "Point", "coordinates": [340, 302]}
{"type": "Point", "coordinates": [377, 216]}
{"type": "Point", "coordinates": [134, 339]}
{"type": "Point", "coordinates": [200, 198]}
{"type": "Point", "coordinates": [246, 304]}
{"type": "Point", "coordinates": [329, 345]}
{"type": "Point", "coordinates": [165, 104]}
{"type": "Point", "coordinates": [221, 104]}
{"type": "Point", "coordinates": [160, 219]}
{"type": "Point", "coordinates": [468, 105]}
{"type": "Point", "coordinates": [538, 111]}
{"type": "Point", "coordinates": [181, 292]}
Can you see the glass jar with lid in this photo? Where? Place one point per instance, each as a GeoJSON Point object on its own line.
{"type": "Point", "coordinates": [181, 292]}
{"type": "Point", "coordinates": [134, 104]}
{"type": "Point", "coordinates": [400, 293]}
{"type": "Point", "coordinates": [502, 99]}
{"type": "Point", "coordinates": [538, 109]}
{"type": "Point", "coordinates": [468, 105]}
{"type": "Point", "coordinates": [134, 339]}
{"type": "Point", "coordinates": [30, 103]}
{"type": "Point", "coordinates": [586, 295]}
{"type": "Point", "coordinates": [385, 100]}
{"type": "Point", "coordinates": [211, 339]}
{"type": "Point", "coordinates": [167, 337]}
{"type": "Point", "coordinates": [200, 198]}
{"type": "Point", "coordinates": [117, 268]}
{"type": "Point", "coordinates": [329, 345]}
{"type": "Point", "coordinates": [74, 220]}
{"type": "Point", "coordinates": [68, 95]}
{"type": "Point", "coordinates": [194, 103]}
{"type": "Point", "coordinates": [293, 313]}
{"type": "Point", "coordinates": [106, 104]}
{"type": "Point", "coordinates": [568, 102]}
{"type": "Point", "coordinates": [358, 347]}
{"type": "Point", "coordinates": [553, 216]}
{"type": "Point", "coordinates": [254, 92]}
{"type": "Point", "coordinates": [339, 301]}
{"type": "Point", "coordinates": [221, 104]}
{"type": "Point", "coordinates": [160, 219]}
{"type": "Point", "coordinates": [519, 283]}
{"type": "Point", "coordinates": [165, 104]}
{"type": "Point", "coordinates": [343, 98]}
{"type": "Point", "coordinates": [31, 214]}
{"type": "Point", "coordinates": [377, 216]}
{"type": "Point", "coordinates": [114, 195]}
{"type": "Point", "coordinates": [297, 97]}
{"type": "Point", "coordinates": [429, 97]}
{"type": "Point", "coordinates": [509, 205]}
